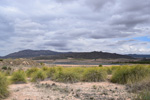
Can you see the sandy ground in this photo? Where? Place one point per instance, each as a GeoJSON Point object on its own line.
{"type": "Point", "coordinates": [49, 90]}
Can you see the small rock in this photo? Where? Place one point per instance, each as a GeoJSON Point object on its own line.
{"type": "Point", "coordinates": [91, 98]}
{"type": "Point", "coordinates": [16, 90]}
{"type": "Point", "coordinates": [53, 84]}
{"type": "Point", "coordinates": [105, 93]}
{"type": "Point", "coordinates": [77, 95]}
{"type": "Point", "coordinates": [71, 89]}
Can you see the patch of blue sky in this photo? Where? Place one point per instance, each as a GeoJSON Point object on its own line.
{"type": "Point", "coordinates": [143, 38]}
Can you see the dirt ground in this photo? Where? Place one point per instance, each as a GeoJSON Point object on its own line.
{"type": "Point", "coordinates": [49, 90]}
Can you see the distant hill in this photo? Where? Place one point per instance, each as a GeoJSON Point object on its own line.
{"type": "Point", "coordinates": [139, 55]}
{"type": "Point", "coordinates": [48, 54]}
{"type": "Point", "coordinates": [31, 53]}
{"type": "Point", "coordinates": [86, 55]}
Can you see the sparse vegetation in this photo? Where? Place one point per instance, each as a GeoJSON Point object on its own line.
{"type": "Point", "coordinates": [100, 65]}
{"type": "Point", "coordinates": [140, 86]}
{"type": "Point", "coordinates": [45, 68]}
{"type": "Point", "coordinates": [66, 75]}
{"type": "Point", "coordinates": [19, 62]}
{"type": "Point", "coordinates": [7, 70]}
{"type": "Point", "coordinates": [144, 95]}
{"type": "Point", "coordinates": [3, 86]}
{"type": "Point", "coordinates": [18, 77]}
{"type": "Point", "coordinates": [30, 71]}
{"type": "Point", "coordinates": [38, 76]}
{"type": "Point", "coordinates": [130, 74]}
{"type": "Point", "coordinates": [75, 74]}
{"type": "Point", "coordinates": [4, 68]}
{"type": "Point", "coordinates": [50, 72]}
{"type": "Point", "coordinates": [94, 74]}
{"type": "Point", "coordinates": [42, 64]}
{"type": "Point", "coordinates": [134, 76]}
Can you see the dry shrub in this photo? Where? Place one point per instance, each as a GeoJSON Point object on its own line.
{"type": "Point", "coordinates": [18, 77]}
{"type": "Point", "coordinates": [38, 76]}
{"type": "Point", "coordinates": [130, 74]}
{"type": "Point", "coordinates": [3, 86]}
{"type": "Point", "coordinates": [30, 71]}
{"type": "Point", "coordinates": [66, 75]}
{"type": "Point", "coordinates": [50, 72]}
{"type": "Point", "coordinates": [94, 74]}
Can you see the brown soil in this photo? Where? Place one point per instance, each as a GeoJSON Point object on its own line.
{"type": "Point", "coordinates": [49, 90]}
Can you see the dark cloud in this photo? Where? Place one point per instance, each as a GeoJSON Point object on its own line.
{"type": "Point", "coordinates": [105, 34]}
{"type": "Point", "coordinates": [74, 25]}
{"type": "Point", "coordinates": [65, 1]}
{"type": "Point", "coordinates": [98, 4]}
{"type": "Point", "coordinates": [121, 42]}
{"type": "Point", "coordinates": [56, 43]}
{"type": "Point", "coordinates": [130, 20]}
{"type": "Point", "coordinates": [135, 6]}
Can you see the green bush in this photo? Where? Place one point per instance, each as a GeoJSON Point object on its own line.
{"type": "Point", "coordinates": [130, 74]}
{"type": "Point", "coordinates": [38, 76]}
{"type": "Point", "coordinates": [144, 95]}
{"type": "Point", "coordinates": [8, 72]}
{"type": "Point", "coordinates": [45, 68]}
{"type": "Point", "coordinates": [114, 68]}
{"type": "Point", "coordinates": [18, 77]}
{"type": "Point", "coordinates": [4, 68]}
{"type": "Point", "coordinates": [3, 86]}
{"type": "Point", "coordinates": [50, 72]}
{"type": "Point", "coordinates": [59, 68]}
{"type": "Point", "coordinates": [140, 86]}
{"type": "Point", "coordinates": [9, 68]}
{"type": "Point", "coordinates": [94, 74]}
{"type": "Point", "coordinates": [108, 70]}
{"type": "Point", "coordinates": [66, 75]}
{"type": "Point", "coordinates": [42, 64]}
{"type": "Point", "coordinates": [30, 71]}
{"type": "Point", "coordinates": [78, 70]}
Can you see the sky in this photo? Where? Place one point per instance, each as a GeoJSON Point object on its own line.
{"type": "Point", "coordinates": [116, 26]}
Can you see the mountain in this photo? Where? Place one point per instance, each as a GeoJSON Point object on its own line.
{"type": "Point", "coordinates": [31, 53]}
{"type": "Point", "coordinates": [86, 55]}
{"type": "Point", "coordinates": [139, 55]}
{"type": "Point", "coordinates": [48, 54]}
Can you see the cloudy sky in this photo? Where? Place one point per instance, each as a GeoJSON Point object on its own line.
{"type": "Point", "coordinates": [119, 26]}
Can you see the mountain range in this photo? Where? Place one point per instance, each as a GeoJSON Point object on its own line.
{"type": "Point", "coordinates": [140, 56]}
{"type": "Point", "coordinates": [48, 54]}
{"type": "Point", "coordinates": [85, 55]}
{"type": "Point", "coordinates": [31, 53]}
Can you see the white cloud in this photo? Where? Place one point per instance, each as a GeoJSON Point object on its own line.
{"type": "Point", "coordinates": [74, 25]}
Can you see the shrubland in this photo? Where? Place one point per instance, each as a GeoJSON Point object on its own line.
{"type": "Point", "coordinates": [137, 77]}
{"type": "Point", "coordinates": [30, 71]}
{"type": "Point", "coordinates": [39, 75]}
{"type": "Point", "coordinates": [18, 76]}
{"type": "Point", "coordinates": [130, 74]}
{"type": "Point", "coordinates": [94, 74]}
{"type": "Point", "coordinates": [3, 86]}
